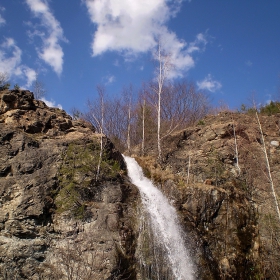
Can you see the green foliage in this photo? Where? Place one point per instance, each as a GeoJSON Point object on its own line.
{"type": "Point", "coordinates": [201, 122]}
{"type": "Point", "coordinates": [77, 177]}
{"type": "Point", "coordinates": [16, 86]}
{"type": "Point", "coordinates": [5, 86]}
{"type": "Point", "coordinates": [248, 110]}
{"type": "Point", "coordinates": [271, 108]}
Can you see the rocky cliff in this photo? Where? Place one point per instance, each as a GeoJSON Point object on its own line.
{"type": "Point", "coordinates": [57, 219]}
{"type": "Point", "coordinates": [62, 219]}
{"type": "Point", "coordinates": [216, 174]}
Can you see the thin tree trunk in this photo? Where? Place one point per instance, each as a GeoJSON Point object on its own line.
{"type": "Point", "coordinates": [160, 84]}
{"type": "Point", "coordinates": [158, 129]}
{"type": "Point", "coordinates": [189, 166]}
{"type": "Point", "coordinates": [101, 133]}
{"type": "Point", "coordinates": [100, 157]}
{"type": "Point", "coordinates": [236, 149]}
{"type": "Point", "coordinates": [128, 128]}
{"type": "Point", "coordinates": [143, 128]}
{"type": "Point", "coordinates": [268, 168]}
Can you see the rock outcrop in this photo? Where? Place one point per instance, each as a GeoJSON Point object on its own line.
{"type": "Point", "coordinates": [62, 219]}
{"type": "Point", "coordinates": [58, 220]}
{"type": "Point", "coordinates": [220, 184]}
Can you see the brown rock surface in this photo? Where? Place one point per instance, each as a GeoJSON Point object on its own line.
{"type": "Point", "coordinates": [55, 218]}
{"type": "Point", "coordinates": [227, 209]}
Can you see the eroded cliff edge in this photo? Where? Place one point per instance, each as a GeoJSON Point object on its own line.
{"type": "Point", "coordinates": [56, 217]}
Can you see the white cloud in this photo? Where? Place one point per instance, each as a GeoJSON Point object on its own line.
{"type": "Point", "coordinates": [51, 103]}
{"type": "Point", "coordinates": [10, 56]}
{"type": "Point", "coordinates": [133, 27]}
{"type": "Point", "coordinates": [30, 75]}
{"type": "Point", "coordinates": [198, 44]}
{"type": "Point", "coordinates": [249, 63]}
{"type": "Point", "coordinates": [51, 51]}
{"type": "Point", "coordinates": [110, 79]}
{"type": "Point", "coordinates": [2, 20]}
{"type": "Point", "coordinates": [209, 84]}
{"type": "Point", "coordinates": [10, 62]}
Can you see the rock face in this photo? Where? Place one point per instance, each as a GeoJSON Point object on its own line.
{"type": "Point", "coordinates": [61, 219]}
{"type": "Point", "coordinates": [220, 185]}
{"type": "Point", "coordinates": [57, 220]}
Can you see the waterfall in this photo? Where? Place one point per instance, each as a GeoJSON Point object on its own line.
{"type": "Point", "coordinates": [171, 259]}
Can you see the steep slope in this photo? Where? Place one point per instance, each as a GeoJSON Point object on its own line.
{"type": "Point", "coordinates": [57, 220]}
{"type": "Point", "coordinates": [220, 185]}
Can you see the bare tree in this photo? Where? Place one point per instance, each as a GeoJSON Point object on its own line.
{"type": "Point", "coordinates": [143, 127]}
{"type": "Point", "coordinates": [75, 113]}
{"type": "Point", "coordinates": [127, 92]}
{"type": "Point", "coordinates": [163, 68]}
{"type": "Point", "coordinates": [4, 78]}
{"type": "Point", "coordinates": [181, 105]}
{"type": "Point", "coordinates": [236, 147]}
{"type": "Point", "coordinates": [38, 89]}
{"type": "Point", "coordinates": [96, 117]}
{"type": "Point", "coordinates": [268, 167]}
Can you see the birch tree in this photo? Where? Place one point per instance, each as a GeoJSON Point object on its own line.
{"type": "Point", "coordinates": [39, 90]}
{"type": "Point", "coordinates": [143, 127]}
{"type": "Point", "coordinates": [268, 167]}
{"type": "Point", "coordinates": [4, 78]}
{"type": "Point", "coordinates": [163, 68]}
{"type": "Point", "coordinates": [96, 117]}
{"type": "Point", "coordinates": [127, 106]}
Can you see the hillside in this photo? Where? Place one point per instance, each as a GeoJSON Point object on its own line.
{"type": "Point", "coordinates": [57, 219]}
{"type": "Point", "coordinates": [220, 185]}
{"type": "Point", "coordinates": [61, 219]}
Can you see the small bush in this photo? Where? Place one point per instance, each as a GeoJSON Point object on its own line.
{"type": "Point", "coordinates": [271, 108]}
{"type": "Point", "coordinates": [5, 86]}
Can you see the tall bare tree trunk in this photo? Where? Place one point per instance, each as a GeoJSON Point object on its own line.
{"type": "Point", "coordinates": [236, 148]}
{"type": "Point", "coordinates": [268, 168]}
{"type": "Point", "coordinates": [143, 128]}
{"type": "Point", "coordinates": [160, 78]}
{"type": "Point", "coordinates": [128, 127]}
{"type": "Point", "coordinates": [189, 167]}
{"type": "Point", "coordinates": [101, 96]}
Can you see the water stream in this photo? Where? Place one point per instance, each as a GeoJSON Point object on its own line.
{"type": "Point", "coordinates": [171, 260]}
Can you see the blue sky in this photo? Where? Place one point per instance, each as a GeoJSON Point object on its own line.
{"type": "Point", "coordinates": [230, 48]}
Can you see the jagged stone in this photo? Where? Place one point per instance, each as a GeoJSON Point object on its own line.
{"type": "Point", "coordinates": [55, 215]}
{"type": "Point", "coordinates": [228, 210]}
{"type": "Point", "coordinates": [39, 239]}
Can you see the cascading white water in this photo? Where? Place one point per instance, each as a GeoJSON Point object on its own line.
{"type": "Point", "coordinates": [165, 226]}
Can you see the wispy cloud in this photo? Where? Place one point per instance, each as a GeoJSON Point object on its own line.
{"type": "Point", "coordinates": [109, 79]}
{"type": "Point", "coordinates": [10, 62]}
{"type": "Point", "coordinates": [133, 27]}
{"type": "Point", "coordinates": [209, 84]}
{"type": "Point", "coordinates": [51, 103]}
{"type": "Point", "coordinates": [10, 56]}
{"type": "Point", "coordinates": [51, 52]}
{"type": "Point", "coordinates": [2, 20]}
{"type": "Point", "coordinates": [249, 63]}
